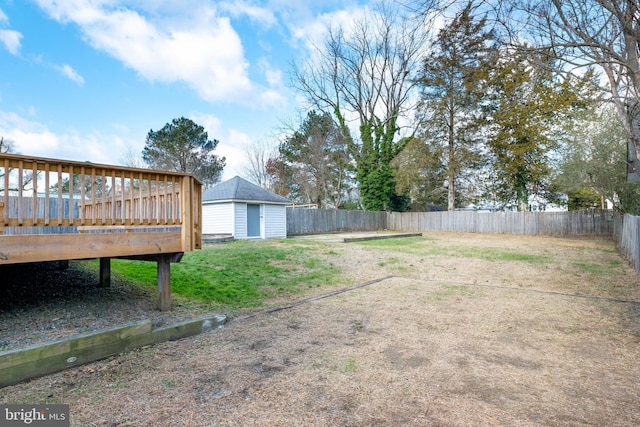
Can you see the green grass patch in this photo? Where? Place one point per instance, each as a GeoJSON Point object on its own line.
{"type": "Point", "coordinates": [402, 242]}
{"type": "Point", "coordinates": [449, 292]}
{"type": "Point", "coordinates": [613, 267]}
{"type": "Point", "coordinates": [390, 261]}
{"type": "Point", "coordinates": [350, 365]}
{"type": "Point", "coordinates": [423, 246]}
{"type": "Point", "coordinates": [238, 274]}
{"type": "Point", "coordinates": [495, 254]}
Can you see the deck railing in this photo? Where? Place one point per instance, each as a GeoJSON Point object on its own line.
{"type": "Point", "coordinates": [49, 196]}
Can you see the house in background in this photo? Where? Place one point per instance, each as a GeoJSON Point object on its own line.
{"type": "Point", "coordinates": [243, 210]}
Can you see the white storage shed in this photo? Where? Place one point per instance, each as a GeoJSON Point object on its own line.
{"type": "Point", "coordinates": [243, 210]}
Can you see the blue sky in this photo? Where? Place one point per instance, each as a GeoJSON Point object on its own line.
{"type": "Point", "coordinates": [87, 79]}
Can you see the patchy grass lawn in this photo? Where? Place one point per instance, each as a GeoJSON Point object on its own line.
{"type": "Point", "coordinates": [239, 274]}
{"type": "Point", "coordinates": [460, 330]}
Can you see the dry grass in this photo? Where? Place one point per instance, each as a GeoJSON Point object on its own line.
{"type": "Point", "coordinates": [448, 341]}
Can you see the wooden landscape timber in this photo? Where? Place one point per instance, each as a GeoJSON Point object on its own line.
{"type": "Point", "coordinates": [58, 210]}
{"type": "Point", "coordinates": [42, 359]}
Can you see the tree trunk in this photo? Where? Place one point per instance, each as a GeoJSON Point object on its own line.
{"type": "Point", "coordinates": [452, 160]}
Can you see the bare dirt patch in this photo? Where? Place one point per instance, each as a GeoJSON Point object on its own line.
{"type": "Point", "coordinates": [471, 330]}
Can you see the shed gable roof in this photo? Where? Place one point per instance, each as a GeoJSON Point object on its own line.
{"type": "Point", "coordinates": [240, 189]}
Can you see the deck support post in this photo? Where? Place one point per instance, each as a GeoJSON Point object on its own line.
{"type": "Point", "coordinates": [164, 282]}
{"type": "Point", "coordinates": [105, 272]}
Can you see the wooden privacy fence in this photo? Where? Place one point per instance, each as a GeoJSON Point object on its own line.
{"type": "Point", "coordinates": [574, 223]}
{"type": "Point", "coordinates": [317, 221]}
{"type": "Point", "coordinates": [627, 236]}
{"type": "Point", "coordinates": [578, 223]}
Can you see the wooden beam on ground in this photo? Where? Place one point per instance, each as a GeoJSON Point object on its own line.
{"type": "Point", "coordinates": [41, 359]}
{"type": "Point", "coordinates": [105, 272]}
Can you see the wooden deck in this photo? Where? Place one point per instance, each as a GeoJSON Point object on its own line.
{"type": "Point", "coordinates": [58, 210]}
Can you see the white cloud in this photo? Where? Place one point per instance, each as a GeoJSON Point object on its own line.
{"type": "Point", "coordinates": [92, 147]}
{"type": "Point", "coordinates": [9, 38]}
{"type": "Point", "coordinates": [32, 138]}
{"type": "Point", "coordinates": [233, 147]}
{"type": "Point", "coordinates": [230, 144]}
{"type": "Point", "coordinates": [209, 122]}
{"type": "Point", "coordinates": [68, 71]}
{"type": "Point", "coordinates": [194, 45]}
{"type": "Point", "coordinates": [257, 14]}
{"type": "Point", "coordinates": [272, 97]}
{"type": "Point", "coordinates": [312, 33]}
{"type": "Point", "coordinates": [272, 75]}
{"type": "Point", "coordinates": [265, 45]}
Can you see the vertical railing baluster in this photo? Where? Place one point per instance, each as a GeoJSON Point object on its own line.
{"type": "Point", "coordinates": [71, 190]}
{"type": "Point", "coordinates": [47, 193]}
{"type": "Point", "coordinates": [132, 198]}
{"type": "Point", "coordinates": [157, 202]}
{"type": "Point", "coordinates": [20, 198]}
{"type": "Point", "coordinates": [114, 212]}
{"type": "Point", "coordinates": [93, 196]}
{"type": "Point", "coordinates": [123, 203]}
{"type": "Point", "coordinates": [5, 208]}
{"type": "Point", "coordinates": [83, 195]}
{"type": "Point", "coordinates": [174, 199]}
{"type": "Point", "coordinates": [34, 171]}
{"type": "Point", "coordinates": [103, 185]}
{"type": "Point", "coordinates": [165, 201]}
{"type": "Point", "coordinates": [140, 202]}
{"type": "Point", "coordinates": [59, 194]}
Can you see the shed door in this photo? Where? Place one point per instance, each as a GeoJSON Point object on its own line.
{"type": "Point", "coordinates": [253, 220]}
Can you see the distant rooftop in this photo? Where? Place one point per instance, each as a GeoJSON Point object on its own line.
{"type": "Point", "coordinates": [238, 189]}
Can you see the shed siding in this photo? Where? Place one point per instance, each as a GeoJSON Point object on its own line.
{"type": "Point", "coordinates": [275, 221]}
{"type": "Point", "coordinates": [217, 218]}
{"type": "Point", "coordinates": [240, 215]}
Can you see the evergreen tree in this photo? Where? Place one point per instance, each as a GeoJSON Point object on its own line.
{"type": "Point", "coordinates": [453, 82]}
{"type": "Point", "coordinates": [528, 109]}
{"type": "Point", "coordinates": [420, 174]}
{"type": "Point", "coordinates": [318, 157]}
{"type": "Point", "coordinates": [184, 146]}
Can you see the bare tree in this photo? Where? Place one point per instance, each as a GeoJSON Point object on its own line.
{"type": "Point", "coordinates": [365, 72]}
{"type": "Point", "coordinates": [589, 33]}
{"type": "Point", "coordinates": [6, 146]}
{"type": "Point", "coordinates": [132, 160]}
{"type": "Point", "coordinates": [256, 168]}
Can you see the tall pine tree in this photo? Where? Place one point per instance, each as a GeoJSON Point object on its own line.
{"type": "Point", "coordinates": [453, 82]}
